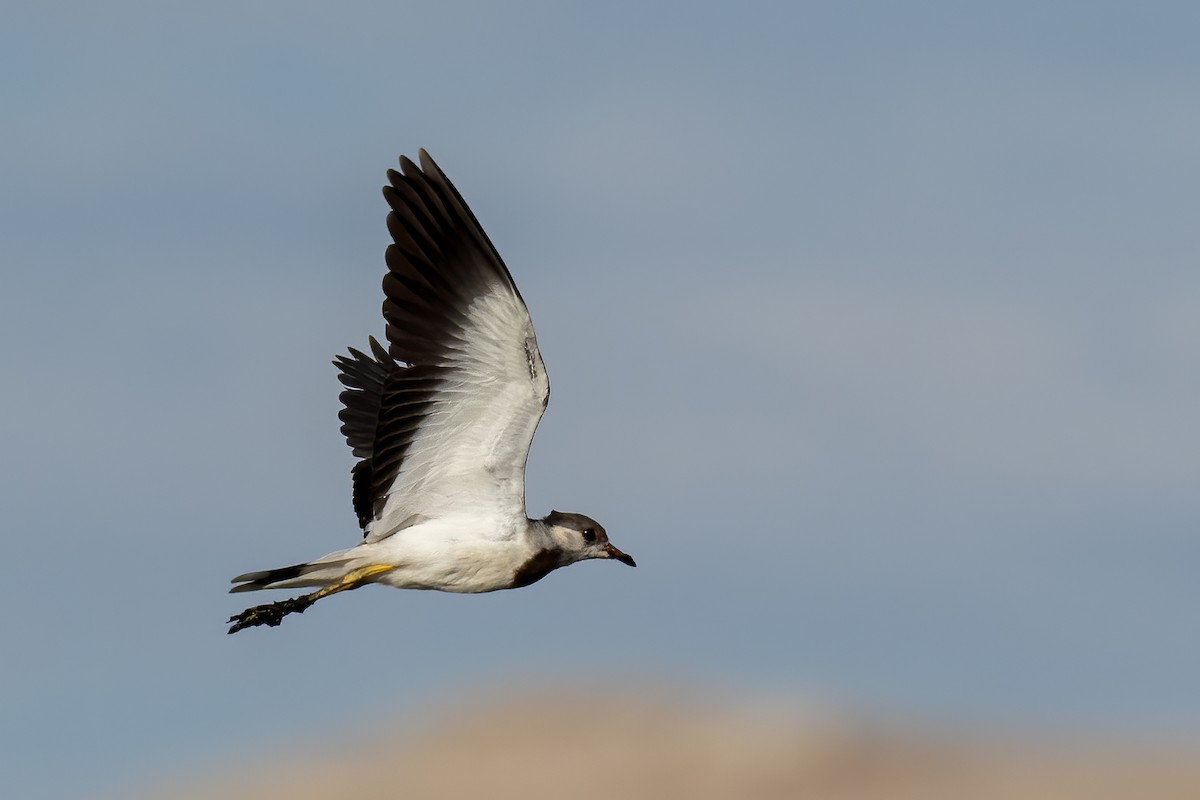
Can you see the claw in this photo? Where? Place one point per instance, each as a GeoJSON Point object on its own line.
{"type": "Point", "coordinates": [271, 614]}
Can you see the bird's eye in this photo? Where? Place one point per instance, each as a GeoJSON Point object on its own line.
{"type": "Point", "coordinates": [589, 534]}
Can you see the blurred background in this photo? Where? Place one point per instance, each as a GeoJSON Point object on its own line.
{"type": "Point", "coordinates": [873, 331]}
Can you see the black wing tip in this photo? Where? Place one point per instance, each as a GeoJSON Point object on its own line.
{"type": "Point", "coordinates": [353, 357]}
{"type": "Point", "coordinates": [379, 351]}
{"type": "Point", "coordinates": [423, 167]}
{"type": "Point", "coordinates": [429, 166]}
{"type": "Point", "coordinates": [408, 168]}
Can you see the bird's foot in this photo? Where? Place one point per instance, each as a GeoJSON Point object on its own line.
{"type": "Point", "coordinates": [271, 614]}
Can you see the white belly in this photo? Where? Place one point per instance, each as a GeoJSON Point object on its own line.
{"type": "Point", "coordinates": [451, 558]}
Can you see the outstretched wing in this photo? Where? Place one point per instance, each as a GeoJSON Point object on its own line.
{"type": "Point", "coordinates": [442, 420]}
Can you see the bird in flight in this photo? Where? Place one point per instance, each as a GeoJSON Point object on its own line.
{"type": "Point", "coordinates": [440, 420]}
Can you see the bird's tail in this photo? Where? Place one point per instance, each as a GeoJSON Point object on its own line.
{"type": "Point", "coordinates": [325, 571]}
{"type": "Point", "coordinates": [293, 577]}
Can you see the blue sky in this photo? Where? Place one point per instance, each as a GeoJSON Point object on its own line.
{"type": "Point", "coordinates": [874, 333]}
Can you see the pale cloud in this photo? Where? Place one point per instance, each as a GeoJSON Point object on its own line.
{"type": "Point", "coordinates": [979, 389]}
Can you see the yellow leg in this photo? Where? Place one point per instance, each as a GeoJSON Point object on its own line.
{"type": "Point", "coordinates": [353, 579]}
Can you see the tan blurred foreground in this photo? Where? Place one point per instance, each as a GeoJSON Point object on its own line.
{"type": "Point", "coordinates": [535, 746]}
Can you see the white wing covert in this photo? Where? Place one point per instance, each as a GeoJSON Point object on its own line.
{"type": "Point", "coordinates": [442, 420]}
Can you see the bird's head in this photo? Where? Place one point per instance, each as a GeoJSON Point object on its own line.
{"type": "Point", "coordinates": [582, 537]}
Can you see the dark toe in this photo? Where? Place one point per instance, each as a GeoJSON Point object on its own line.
{"type": "Point", "coordinates": [270, 615]}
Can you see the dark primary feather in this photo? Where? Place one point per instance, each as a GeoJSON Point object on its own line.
{"type": "Point", "coordinates": [363, 377]}
{"type": "Point", "coordinates": [440, 261]}
{"type": "Point", "coordinates": [384, 403]}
